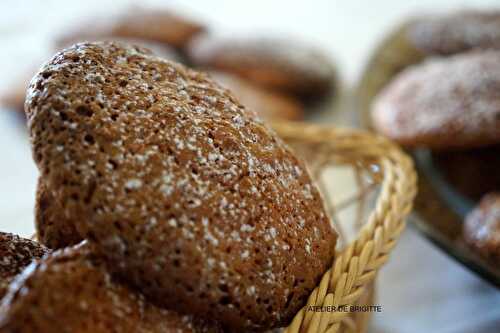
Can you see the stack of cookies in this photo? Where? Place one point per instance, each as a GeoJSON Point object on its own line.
{"type": "Point", "coordinates": [441, 92]}
{"type": "Point", "coordinates": [163, 205]}
{"type": "Point", "coordinates": [280, 77]}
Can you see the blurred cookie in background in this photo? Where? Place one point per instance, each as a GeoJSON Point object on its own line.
{"type": "Point", "coordinates": [425, 36]}
{"type": "Point", "coordinates": [456, 32]}
{"type": "Point", "coordinates": [158, 25]}
{"type": "Point", "coordinates": [283, 65]}
{"type": "Point", "coordinates": [443, 103]}
{"type": "Point", "coordinates": [472, 172]}
{"type": "Point", "coordinates": [482, 228]}
{"type": "Point", "coordinates": [269, 105]}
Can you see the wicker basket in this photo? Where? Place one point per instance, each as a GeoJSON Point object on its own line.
{"type": "Point", "coordinates": [384, 182]}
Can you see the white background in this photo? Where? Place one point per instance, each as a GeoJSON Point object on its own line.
{"type": "Point", "coordinates": [420, 290]}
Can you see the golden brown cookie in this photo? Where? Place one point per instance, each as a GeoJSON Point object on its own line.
{"type": "Point", "coordinates": [70, 291]}
{"type": "Point", "coordinates": [443, 103]}
{"type": "Point", "coordinates": [482, 228]}
{"type": "Point", "coordinates": [268, 104]}
{"type": "Point", "coordinates": [183, 190]}
{"type": "Point", "coordinates": [278, 64]}
{"type": "Point", "coordinates": [15, 254]}
{"type": "Point", "coordinates": [159, 25]}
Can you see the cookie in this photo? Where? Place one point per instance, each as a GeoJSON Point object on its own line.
{"type": "Point", "coordinates": [278, 64]}
{"type": "Point", "coordinates": [269, 105]}
{"type": "Point", "coordinates": [15, 254]}
{"type": "Point", "coordinates": [457, 166]}
{"type": "Point", "coordinates": [482, 228]}
{"type": "Point", "coordinates": [443, 103]}
{"type": "Point", "coordinates": [456, 32]}
{"type": "Point", "coordinates": [70, 291]}
{"type": "Point", "coordinates": [184, 191]}
{"type": "Point", "coordinates": [158, 25]}
{"type": "Point", "coordinates": [420, 37]}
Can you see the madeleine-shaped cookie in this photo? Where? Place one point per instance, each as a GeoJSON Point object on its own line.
{"type": "Point", "coordinates": [70, 291]}
{"type": "Point", "coordinates": [268, 104]}
{"type": "Point", "coordinates": [183, 190]}
{"type": "Point", "coordinates": [443, 103]}
{"type": "Point", "coordinates": [159, 25]}
{"type": "Point", "coordinates": [15, 254]}
{"type": "Point", "coordinates": [482, 228]}
{"type": "Point", "coordinates": [284, 65]}
{"type": "Point", "coordinates": [424, 36]}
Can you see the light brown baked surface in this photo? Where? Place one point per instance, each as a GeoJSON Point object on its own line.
{"type": "Point", "coordinates": [70, 291]}
{"type": "Point", "coordinates": [279, 64]}
{"type": "Point", "coordinates": [183, 190]}
{"type": "Point", "coordinates": [450, 102]}
{"type": "Point", "coordinates": [482, 228]}
{"type": "Point", "coordinates": [15, 254]}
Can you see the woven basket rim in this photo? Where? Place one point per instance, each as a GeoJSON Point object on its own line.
{"type": "Point", "coordinates": [355, 267]}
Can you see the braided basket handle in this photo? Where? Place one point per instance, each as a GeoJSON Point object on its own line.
{"type": "Point", "coordinates": [356, 266]}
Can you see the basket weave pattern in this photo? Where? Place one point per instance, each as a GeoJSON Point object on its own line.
{"type": "Point", "coordinates": [356, 265]}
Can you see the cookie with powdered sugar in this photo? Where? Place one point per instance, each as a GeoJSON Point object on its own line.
{"type": "Point", "coordinates": [423, 36]}
{"type": "Point", "coordinates": [70, 291]}
{"type": "Point", "coordinates": [15, 254]}
{"type": "Point", "coordinates": [185, 192]}
{"type": "Point", "coordinates": [456, 32]}
{"type": "Point", "coordinates": [443, 103]}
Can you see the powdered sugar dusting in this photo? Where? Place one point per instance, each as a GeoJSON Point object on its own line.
{"type": "Point", "coordinates": [178, 179]}
{"type": "Point", "coordinates": [455, 96]}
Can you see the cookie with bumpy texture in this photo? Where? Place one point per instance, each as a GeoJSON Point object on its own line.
{"type": "Point", "coordinates": [157, 25]}
{"type": "Point", "coordinates": [70, 291]}
{"type": "Point", "coordinates": [482, 228]}
{"type": "Point", "coordinates": [443, 103]}
{"type": "Point", "coordinates": [184, 191]}
{"type": "Point", "coordinates": [15, 254]}
{"type": "Point", "coordinates": [280, 64]}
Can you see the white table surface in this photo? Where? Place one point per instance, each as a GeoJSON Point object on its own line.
{"type": "Point", "coordinates": [420, 289]}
